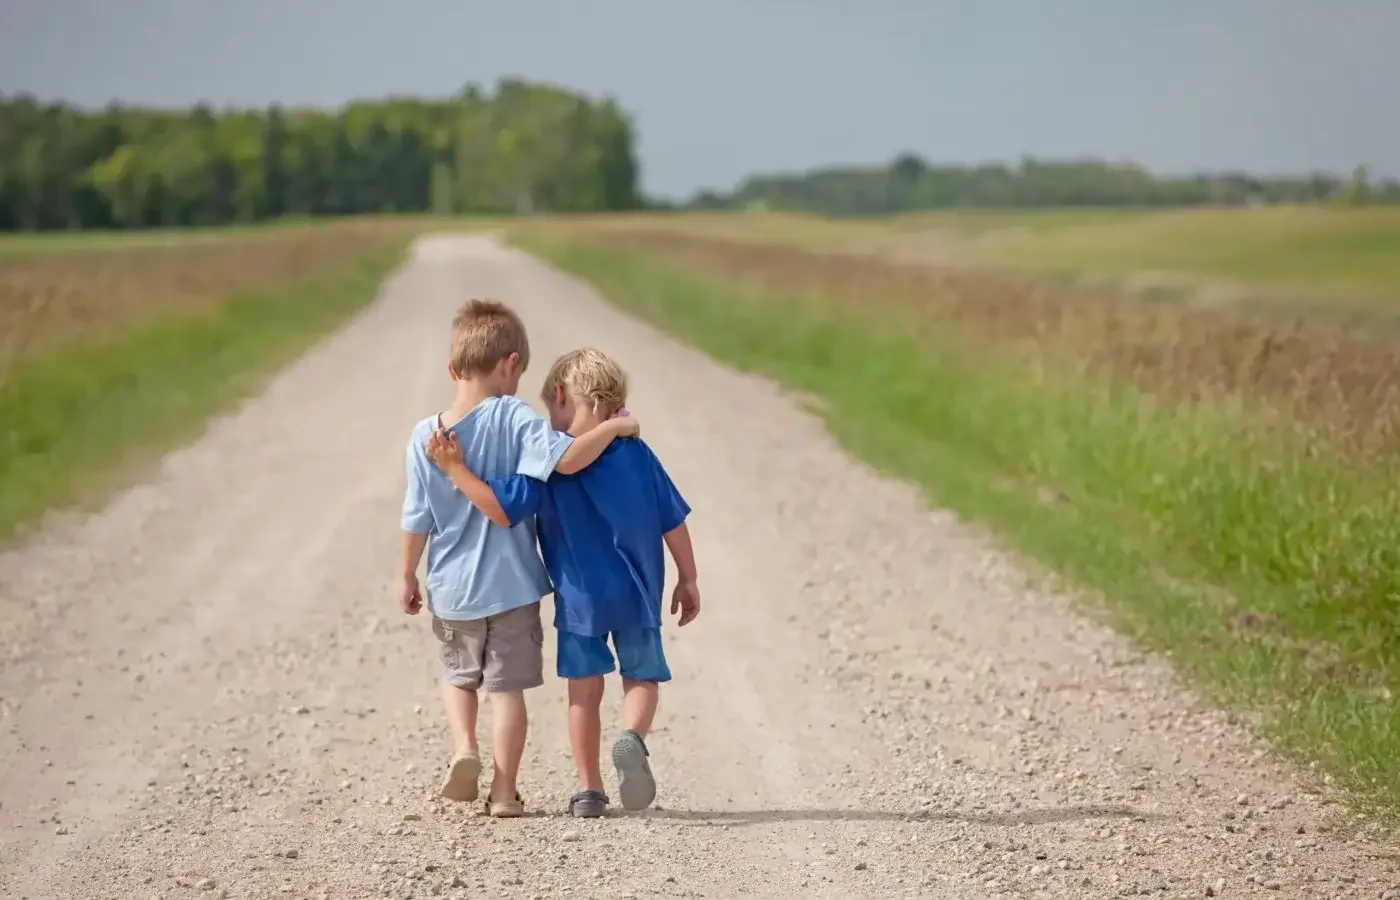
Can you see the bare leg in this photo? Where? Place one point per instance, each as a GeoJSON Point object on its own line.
{"type": "Point", "coordinates": [464, 772]}
{"type": "Point", "coordinates": [585, 730]}
{"type": "Point", "coordinates": [636, 786]}
{"type": "Point", "coordinates": [461, 706]}
{"type": "Point", "coordinates": [508, 727]}
{"type": "Point", "coordinates": [639, 701]}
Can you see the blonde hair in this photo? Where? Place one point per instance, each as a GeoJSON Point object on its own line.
{"type": "Point", "coordinates": [484, 332]}
{"type": "Point", "coordinates": [590, 376]}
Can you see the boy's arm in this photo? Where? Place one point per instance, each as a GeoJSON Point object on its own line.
{"type": "Point", "coordinates": [479, 493]}
{"type": "Point", "coordinates": [446, 454]}
{"type": "Point", "coordinates": [587, 447]}
{"type": "Point", "coordinates": [410, 597]}
{"type": "Point", "coordinates": [544, 451]}
{"type": "Point", "coordinates": [673, 510]}
{"type": "Point", "coordinates": [683, 552]}
{"type": "Point", "coordinates": [686, 597]}
{"type": "Point", "coordinates": [417, 521]}
{"type": "Point", "coordinates": [517, 492]}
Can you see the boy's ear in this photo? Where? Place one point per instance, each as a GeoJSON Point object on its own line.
{"type": "Point", "coordinates": [451, 371]}
{"type": "Point", "coordinates": [512, 363]}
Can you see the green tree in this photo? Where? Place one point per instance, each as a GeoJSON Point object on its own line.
{"type": "Point", "coordinates": [909, 183]}
{"type": "Point", "coordinates": [274, 162]}
{"type": "Point", "coordinates": [126, 167]}
{"type": "Point", "coordinates": [1359, 191]}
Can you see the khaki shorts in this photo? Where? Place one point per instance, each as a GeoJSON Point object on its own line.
{"type": "Point", "coordinates": [500, 653]}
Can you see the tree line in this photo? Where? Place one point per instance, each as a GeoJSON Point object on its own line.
{"type": "Point", "coordinates": [522, 147]}
{"type": "Point", "coordinates": [909, 183]}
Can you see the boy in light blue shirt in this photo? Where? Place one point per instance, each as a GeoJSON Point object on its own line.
{"type": "Point", "coordinates": [601, 533]}
{"type": "Point", "coordinates": [484, 583]}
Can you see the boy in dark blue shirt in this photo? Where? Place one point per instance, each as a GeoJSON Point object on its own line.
{"type": "Point", "coordinates": [601, 533]}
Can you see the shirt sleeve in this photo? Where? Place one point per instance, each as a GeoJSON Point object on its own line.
{"type": "Point", "coordinates": [519, 495]}
{"type": "Point", "coordinates": [671, 508]}
{"type": "Point", "coordinates": [541, 447]}
{"type": "Point", "coordinates": [417, 514]}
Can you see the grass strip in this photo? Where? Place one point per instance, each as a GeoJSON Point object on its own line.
{"type": "Point", "coordinates": [73, 421]}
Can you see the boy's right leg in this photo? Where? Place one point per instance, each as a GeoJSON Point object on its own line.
{"type": "Point", "coordinates": [509, 726]}
{"type": "Point", "coordinates": [514, 663]}
{"type": "Point", "coordinates": [584, 660]}
{"type": "Point", "coordinates": [585, 730]}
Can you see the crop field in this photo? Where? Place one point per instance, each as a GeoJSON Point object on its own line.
{"type": "Point", "coordinates": [21, 245]}
{"type": "Point", "coordinates": [1347, 251]}
{"type": "Point", "coordinates": [65, 297]}
{"type": "Point", "coordinates": [1340, 264]}
{"type": "Point", "coordinates": [111, 354]}
{"type": "Point", "coordinates": [1341, 384]}
{"type": "Point", "coordinates": [1227, 483]}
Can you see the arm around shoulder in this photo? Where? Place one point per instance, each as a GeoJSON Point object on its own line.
{"type": "Point", "coordinates": [480, 494]}
{"type": "Point", "coordinates": [587, 447]}
{"type": "Point", "coordinates": [446, 454]}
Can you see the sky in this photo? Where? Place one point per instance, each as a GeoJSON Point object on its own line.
{"type": "Point", "coordinates": [720, 89]}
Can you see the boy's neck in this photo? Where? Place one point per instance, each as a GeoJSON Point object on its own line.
{"type": "Point", "coordinates": [584, 422]}
{"type": "Point", "coordinates": [471, 393]}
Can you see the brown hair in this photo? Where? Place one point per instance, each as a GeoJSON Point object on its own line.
{"type": "Point", "coordinates": [484, 332]}
{"type": "Point", "coordinates": [591, 376]}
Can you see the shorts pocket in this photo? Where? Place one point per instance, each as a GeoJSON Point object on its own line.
{"type": "Point", "coordinates": [443, 631]}
{"type": "Point", "coordinates": [450, 649]}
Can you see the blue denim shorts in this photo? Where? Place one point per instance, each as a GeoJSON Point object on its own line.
{"type": "Point", "coordinates": [639, 655]}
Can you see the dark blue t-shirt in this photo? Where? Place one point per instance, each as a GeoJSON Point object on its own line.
{"type": "Point", "coordinates": [600, 533]}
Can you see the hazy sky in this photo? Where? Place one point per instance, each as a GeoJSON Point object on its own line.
{"type": "Point", "coordinates": [723, 88]}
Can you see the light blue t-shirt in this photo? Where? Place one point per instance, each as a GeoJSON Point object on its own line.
{"type": "Point", "coordinates": [476, 569]}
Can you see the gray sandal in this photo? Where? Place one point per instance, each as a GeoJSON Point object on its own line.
{"type": "Point", "coordinates": [588, 805]}
{"type": "Point", "coordinates": [635, 783]}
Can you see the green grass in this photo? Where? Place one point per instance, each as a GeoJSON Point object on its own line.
{"type": "Point", "coordinates": [1271, 575]}
{"type": "Point", "coordinates": [71, 423]}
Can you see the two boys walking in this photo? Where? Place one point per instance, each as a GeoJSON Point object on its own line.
{"type": "Point", "coordinates": [487, 480]}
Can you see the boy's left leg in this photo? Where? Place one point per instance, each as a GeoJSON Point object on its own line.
{"type": "Point", "coordinates": [509, 725]}
{"type": "Point", "coordinates": [642, 663]}
{"type": "Point", "coordinates": [514, 663]}
{"type": "Point", "coordinates": [639, 702]}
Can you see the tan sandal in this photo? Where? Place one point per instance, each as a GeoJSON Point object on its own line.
{"type": "Point", "coordinates": [463, 777]}
{"type": "Point", "coordinates": [505, 809]}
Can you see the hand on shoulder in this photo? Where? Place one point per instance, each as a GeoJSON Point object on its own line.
{"type": "Point", "coordinates": [625, 424]}
{"type": "Point", "coordinates": [444, 450]}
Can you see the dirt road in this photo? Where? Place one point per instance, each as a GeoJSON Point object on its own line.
{"type": "Point", "coordinates": [207, 689]}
